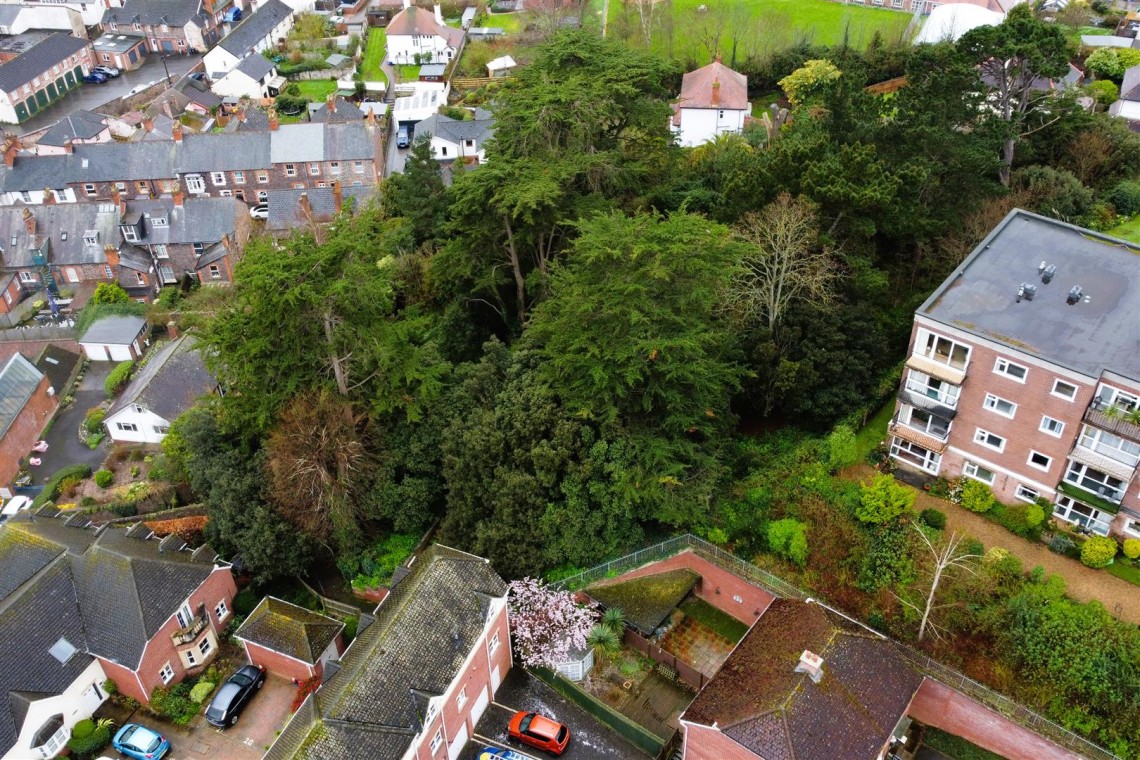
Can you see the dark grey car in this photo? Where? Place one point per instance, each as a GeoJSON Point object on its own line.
{"type": "Point", "coordinates": [234, 695]}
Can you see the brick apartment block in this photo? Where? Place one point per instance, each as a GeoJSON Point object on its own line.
{"type": "Point", "coordinates": [1023, 368]}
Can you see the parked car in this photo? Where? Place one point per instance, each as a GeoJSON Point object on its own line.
{"type": "Point", "coordinates": [95, 78]}
{"type": "Point", "coordinates": [260, 211]}
{"type": "Point", "coordinates": [490, 753]}
{"type": "Point", "coordinates": [234, 695]}
{"type": "Point", "coordinates": [107, 71]}
{"type": "Point", "coordinates": [403, 137]}
{"type": "Point", "coordinates": [140, 742]}
{"type": "Point", "coordinates": [539, 731]}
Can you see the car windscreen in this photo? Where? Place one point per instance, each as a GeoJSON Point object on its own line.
{"type": "Point", "coordinates": [524, 724]}
{"type": "Point", "coordinates": [562, 734]}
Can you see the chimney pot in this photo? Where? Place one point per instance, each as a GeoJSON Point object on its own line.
{"type": "Point", "coordinates": [171, 329]}
{"type": "Point", "coordinates": [338, 196]}
{"type": "Point", "coordinates": [273, 122]}
{"type": "Point", "coordinates": [178, 198]}
{"type": "Point", "coordinates": [811, 664]}
{"type": "Point", "coordinates": [176, 131]}
{"type": "Point", "coordinates": [49, 197]}
{"type": "Point", "coordinates": [68, 147]}
{"type": "Point", "coordinates": [148, 124]}
{"type": "Point", "coordinates": [330, 101]}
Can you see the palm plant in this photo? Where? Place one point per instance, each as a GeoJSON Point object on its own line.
{"type": "Point", "coordinates": [603, 640]}
{"type": "Point", "coordinates": [614, 617]}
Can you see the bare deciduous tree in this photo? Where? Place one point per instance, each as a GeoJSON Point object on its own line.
{"type": "Point", "coordinates": [945, 559]}
{"type": "Point", "coordinates": [647, 13]}
{"type": "Point", "coordinates": [708, 26]}
{"type": "Point", "coordinates": [784, 261]}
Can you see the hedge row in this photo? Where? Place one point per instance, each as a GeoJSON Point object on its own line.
{"type": "Point", "coordinates": [51, 488]}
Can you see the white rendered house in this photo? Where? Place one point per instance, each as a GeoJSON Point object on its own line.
{"type": "Point", "coordinates": [415, 32]}
{"type": "Point", "coordinates": [48, 721]}
{"type": "Point", "coordinates": [713, 102]}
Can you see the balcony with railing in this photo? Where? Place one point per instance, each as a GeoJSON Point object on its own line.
{"type": "Point", "coordinates": [1113, 418]}
{"type": "Point", "coordinates": [931, 437]}
{"type": "Point", "coordinates": [933, 365]}
{"type": "Point", "coordinates": [189, 633]}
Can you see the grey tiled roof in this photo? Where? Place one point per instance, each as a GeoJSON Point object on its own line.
{"type": "Point", "coordinates": [285, 205]}
{"type": "Point", "coordinates": [300, 142]}
{"type": "Point", "coordinates": [346, 112]}
{"type": "Point", "coordinates": [1130, 87]}
{"type": "Point", "coordinates": [63, 226]}
{"type": "Point", "coordinates": [58, 364]}
{"type": "Point", "coordinates": [197, 220]}
{"type": "Point", "coordinates": [255, 27]}
{"type": "Point", "coordinates": [80, 125]}
{"type": "Point", "coordinates": [255, 66]}
{"type": "Point", "coordinates": [155, 12]}
{"type": "Point", "coordinates": [18, 381]}
{"type": "Point", "coordinates": [22, 555]}
{"type": "Point", "coordinates": [423, 633]}
{"type": "Point", "coordinates": [41, 57]}
{"type": "Point", "coordinates": [170, 382]}
{"type": "Point", "coordinates": [289, 629]}
{"type": "Point", "coordinates": [255, 121]}
{"type": "Point", "coordinates": [453, 130]}
{"type": "Point", "coordinates": [116, 330]}
{"type": "Point", "coordinates": [224, 152]}
{"type": "Point", "coordinates": [210, 255]}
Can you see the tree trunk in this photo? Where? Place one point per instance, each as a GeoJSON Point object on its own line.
{"type": "Point", "coordinates": [1006, 161]}
{"type": "Point", "coordinates": [516, 269]}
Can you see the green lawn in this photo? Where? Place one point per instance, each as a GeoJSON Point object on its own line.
{"type": "Point", "coordinates": [510, 23]}
{"type": "Point", "coordinates": [1130, 230]}
{"type": "Point", "coordinates": [374, 55]}
{"type": "Point", "coordinates": [769, 25]}
{"type": "Point", "coordinates": [875, 430]}
{"type": "Point", "coordinates": [315, 90]}
{"type": "Point", "coordinates": [407, 72]}
{"type": "Point", "coordinates": [721, 622]}
{"type": "Point", "coordinates": [1125, 570]}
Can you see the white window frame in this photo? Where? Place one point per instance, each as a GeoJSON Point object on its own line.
{"type": "Point", "coordinates": [1043, 467]}
{"type": "Point", "coordinates": [191, 657]}
{"type": "Point", "coordinates": [944, 393]}
{"type": "Point", "coordinates": [1002, 366]}
{"type": "Point", "coordinates": [436, 741]}
{"type": "Point", "coordinates": [166, 673]}
{"type": "Point", "coordinates": [290, 170]}
{"type": "Point", "coordinates": [218, 179]}
{"type": "Point", "coordinates": [334, 167]}
{"type": "Point", "coordinates": [928, 347]}
{"type": "Point", "coordinates": [129, 427]}
{"type": "Point", "coordinates": [239, 178]}
{"type": "Point", "coordinates": [195, 184]}
{"type": "Point", "coordinates": [1080, 470]}
{"type": "Point", "coordinates": [1045, 426]}
{"type": "Point", "coordinates": [205, 647]}
{"type": "Point", "coordinates": [314, 169]}
{"type": "Point", "coordinates": [993, 403]}
{"type": "Point", "coordinates": [931, 460]}
{"type": "Point", "coordinates": [1025, 493]}
{"type": "Point", "coordinates": [27, 277]}
{"type": "Point", "coordinates": [221, 610]}
{"type": "Point", "coordinates": [215, 272]}
{"type": "Point", "coordinates": [160, 251]}
{"type": "Point", "coordinates": [907, 417]}
{"type": "Point", "coordinates": [358, 167]}
{"type": "Point", "coordinates": [981, 437]}
{"type": "Point", "coordinates": [1132, 528]}
{"type": "Point", "coordinates": [1055, 392]}
{"type": "Point", "coordinates": [90, 189]}
{"type": "Point", "coordinates": [1114, 398]}
{"type": "Point", "coordinates": [973, 470]}
{"type": "Point", "coordinates": [1067, 506]}
{"type": "Point", "coordinates": [461, 698]}
{"type": "Point", "coordinates": [493, 643]}
{"type": "Point", "coordinates": [1109, 445]}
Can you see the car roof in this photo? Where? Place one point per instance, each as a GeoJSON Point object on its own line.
{"type": "Point", "coordinates": [225, 694]}
{"type": "Point", "coordinates": [140, 733]}
{"type": "Point", "coordinates": [543, 725]}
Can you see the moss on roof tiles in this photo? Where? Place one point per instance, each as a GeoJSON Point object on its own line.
{"type": "Point", "coordinates": [289, 629]}
{"type": "Point", "coordinates": [647, 601]}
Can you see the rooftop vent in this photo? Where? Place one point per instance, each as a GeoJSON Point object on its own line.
{"type": "Point", "coordinates": [1026, 291]}
{"type": "Point", "coordinates": [1048, 272]}
{"type": "Point", "coordinates": [1074, 295]}
{"type": "Point", "coordinates": [812, 664]}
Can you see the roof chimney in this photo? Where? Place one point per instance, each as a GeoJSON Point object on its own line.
{"type": "Point", "coordinates": [812, 664]}
{"type": "Point", "coordinates": [273, 122]}
{"type": "Point", "coordinates": [370, 116]}
{"type": "Point", "coordinates": [176, 131]}
{"type": "Point", "coordinates": [239, 112]}
{"type": "Point", "coordinates": [338, 196]}
{"type": "Point", "coordinates": [438, 15]}
{"type": "Point", "coordinates": [148, 124]}
{"type": "Point", "coordinates": [178, 198]}
{"type": "Point", "coordinates": [716, 92]}
{"type": "Point", "coordinates": [29, 221]}
{"type": "Point", "coordinates": [111, 253]}
{"type": "Point", "coordinates": [49, 197]}
{"type": "Point", "coordinates": [407, 4]}
{"type": "Point", "coordinates": [116, 196]}
{"type": "Point", "coordinates": [306, 207]}
{"type": "Point", "coordinates": [172, 329]}
{"type": "Point", "coordinates": [330, 101]}
{"type": "Point", "coordinates": [68, 147]}
{"type": "Point", "coordinates": [11, 148]}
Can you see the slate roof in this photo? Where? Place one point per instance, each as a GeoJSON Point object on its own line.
{"type": "Point", "coordinates": [156, 12]}
{"type": "Point", "coordinates": [289, 629]}
{"type": "Point", "coordinates": [456, 131]}
{"type": "Point", "coordinates": [1092, 336]}
{"type": "Point", "coordinates": [25, 67]}
{"type": "Point", "coordinates": [197, 220]}
{"type": "Point", "coordinates": [80, 125]}
{"type": "Point", "coordinates": [170, 381]}
{"type": "Point", "coordinates": [58, 364]}
{"type": "Point", "coordinates": [114, 330]}
{"type": "Point", "coordinates": [255, 121]}
{"type": "Point", "coordinates": [255, 28]}
{"type": "Point", "coordinates": [223, 152]}
{"type": "Point", "coordinates": [697, 88]}
{"type": "Point", "coordinates": [18, 381]}
{"type": "Point", "coordinates": [758, 700]}
{"type": "Point", "coordinates": [255, 66]}
{"type": "Point", "coordinates": [421, 21]}
{"type": "Point", "coordinates": [424, 631]}
{"type": "Point", "coordinates": [346, 111]}
{"type": "Point", "coordinates": [285, 206]}
{"type": "Point", "coordinates": [1130, 87]}
{"type": "Point", "coordinates": [62, 226]}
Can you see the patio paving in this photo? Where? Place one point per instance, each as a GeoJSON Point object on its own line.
{"type": "Point", "coordinates": [698, 645]}
{"type": "Point", "coordinates": [656, 704]}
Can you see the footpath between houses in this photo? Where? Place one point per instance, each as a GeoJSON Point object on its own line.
{"type": "Point", "coordinates": [1121, 598]}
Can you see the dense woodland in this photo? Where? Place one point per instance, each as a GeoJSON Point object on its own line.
{"type": "Point", "coordinates": [597, 338]}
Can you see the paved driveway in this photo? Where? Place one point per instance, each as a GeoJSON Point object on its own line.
{"type": "Point", "coordinates": [92, 96]}
{"type": "Point", "coordinates": [264, 716]}
{"type": "Point", "coordinates": [63, 438]}
{"type": "Point", "coordinates": [589, 739]}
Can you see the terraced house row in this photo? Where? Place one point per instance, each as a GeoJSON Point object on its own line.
{"type": "Point", "coordinates": [1024, 373]}
{"type": "Point", "coordinates": [245, 165]}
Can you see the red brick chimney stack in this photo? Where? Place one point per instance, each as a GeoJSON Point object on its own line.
{"type": "Point", "coordinates": [11, 148]}
{"type": "Point", "coordinates": [330, 101]}
{"type": "Point", "coordinates": [29, 221]}
{"type": "Point", "coordinates": [178, 197]}
{"type": "Point", "coordinates": [338, 196]}
{"type": "Point", "coordinates": [176, 131]}
{"type": "Point", "coordinates": [716, 92]}
{"type": "Point", "coordinates": [273, 122]}
{"type": "Point", "coordinates": [49, 197]}
{"type": "Point", "coordinates": [111, 253]}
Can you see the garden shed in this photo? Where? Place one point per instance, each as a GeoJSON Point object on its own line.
{"type": "Point", "coordinates": [647, 601]}
{"type": "Point", "coordinates": [577, 664]}
{"type": "Point", "coordinates": [290, 641]}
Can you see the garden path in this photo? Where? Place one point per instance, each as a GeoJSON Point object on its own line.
{"type": "Point", "coordinates": [1084, 584]}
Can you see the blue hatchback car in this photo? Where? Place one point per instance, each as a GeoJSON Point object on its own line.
{"type": "Point", "coordinates": [140, 742]}
{"type": "Point", "coordinates": [490, 753]}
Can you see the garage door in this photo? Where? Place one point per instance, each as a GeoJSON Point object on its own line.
{"type": "Point", "coordinates": [480, 705]}
{"type": "Point", "coordinates": [457, 745]}
{"type": "Point", "coordinates": [120, 353]}
{"type": "Point", "coordinates": [95, 352]}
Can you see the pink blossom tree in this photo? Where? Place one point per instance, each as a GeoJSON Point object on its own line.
{"type": "Point", "coordinates": [546, 624]}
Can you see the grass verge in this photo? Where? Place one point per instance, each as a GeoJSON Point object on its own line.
{"type": "Point", "coordinates": [374, 55]}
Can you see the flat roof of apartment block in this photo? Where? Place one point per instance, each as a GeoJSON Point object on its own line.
{"type": "Point", "coordinates": [1052, 290]}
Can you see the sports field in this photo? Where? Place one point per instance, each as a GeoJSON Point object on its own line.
{"type": "Point", "coordinates": [687, 29]}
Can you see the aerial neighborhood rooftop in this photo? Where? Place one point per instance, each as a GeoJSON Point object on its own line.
{"type": "Point", "coordinates": [616, 380]}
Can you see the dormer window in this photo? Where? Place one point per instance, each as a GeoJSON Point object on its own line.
{"type": "Point", "coordinates": [91, 237]}
{"type": "Point", "coordinates": [130, 233]}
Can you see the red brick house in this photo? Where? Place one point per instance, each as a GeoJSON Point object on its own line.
{"type": "Point", "coordinates": [152, 610]}
{"type": "Point", "coordinates": [28, 403]}
{"type": "Point", "coordinates": [1023, 374]}
{"type": "Point", "coordinates": [290, 641]}
{"type": "Point", "coordinates": [419, 674]}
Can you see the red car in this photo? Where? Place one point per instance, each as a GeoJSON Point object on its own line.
{"type": "Point", "coordinates": [538, 731]}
